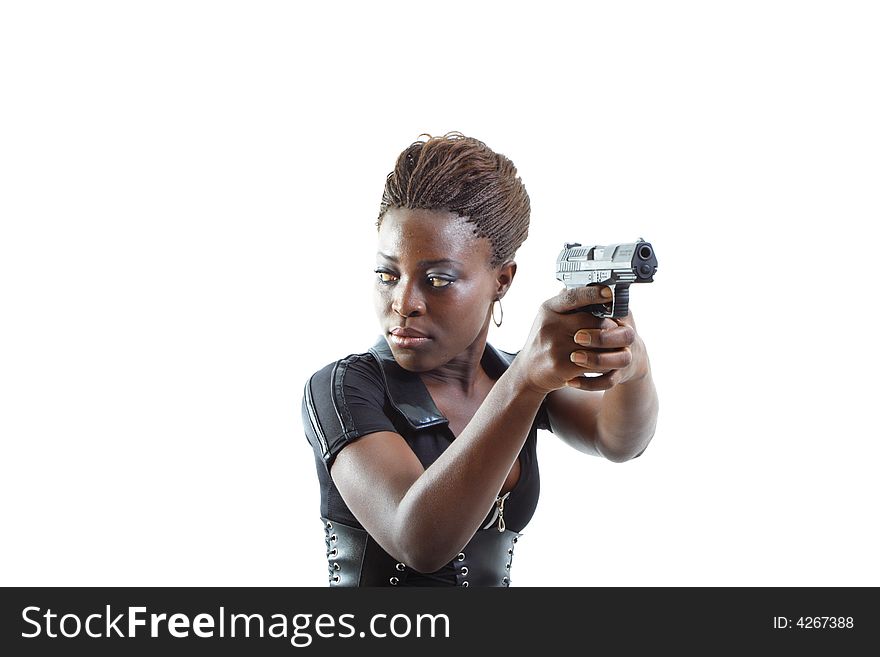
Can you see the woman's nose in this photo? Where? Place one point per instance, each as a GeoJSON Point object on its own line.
{"type": "Point", "coordinates": [407, 302]}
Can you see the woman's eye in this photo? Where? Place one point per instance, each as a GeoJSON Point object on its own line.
{"type": "Point", "coordinates": [438, 282]}
{"type": "Point", "coordinates": [385, 277]}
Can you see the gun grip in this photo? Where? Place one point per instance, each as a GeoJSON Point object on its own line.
{"type": "Point", "coordinates": [621, 301]}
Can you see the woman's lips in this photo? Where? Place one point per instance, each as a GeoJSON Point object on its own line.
{"type": "Point", "coordinates": [407, 338]}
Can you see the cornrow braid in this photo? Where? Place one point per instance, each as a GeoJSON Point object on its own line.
{"type": "Point", "coordinates": [462, 175]}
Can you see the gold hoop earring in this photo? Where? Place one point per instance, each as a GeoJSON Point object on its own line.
{"type": "Point", "coordinates": [497, 321]}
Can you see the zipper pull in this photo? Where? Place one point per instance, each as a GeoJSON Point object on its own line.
{"type": "Point", "coordinates": [499, 503]}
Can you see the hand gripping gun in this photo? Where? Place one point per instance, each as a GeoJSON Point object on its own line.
{"type": "Point", "coordinates": [614, 265]}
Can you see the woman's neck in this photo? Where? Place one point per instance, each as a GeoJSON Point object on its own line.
{"type": "Point", "coordinates": [464, 372]}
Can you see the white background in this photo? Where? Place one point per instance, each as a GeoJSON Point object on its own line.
{"type": "Point", "coordinates": [188, 193]}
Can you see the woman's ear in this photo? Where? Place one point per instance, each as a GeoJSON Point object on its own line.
{"type": "Point", "coordinates": [504, 277]}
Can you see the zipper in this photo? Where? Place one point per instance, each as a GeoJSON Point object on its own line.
{"type": "Point", "coordinates": [310, 404]}
{"type": "Point", "coordinates": [499, 513]}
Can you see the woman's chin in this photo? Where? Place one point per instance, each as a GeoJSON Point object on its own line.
{"type": "Point", "coordinates": [412, 360]}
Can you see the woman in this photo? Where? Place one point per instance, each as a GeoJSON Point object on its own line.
{"type": "Point", "coordinates": [425, 443]}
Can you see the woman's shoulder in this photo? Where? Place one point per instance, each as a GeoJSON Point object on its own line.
{"type": "Point", "coordinates": [355, 371]}
{"type": "Point", "coordinates": [342, 401]}
{"type": "Point", "coordinates": [497, 359]}
{"type": "Point", "coordinates": [364, 361]}
{"type": "Point", "coordinates": [505, 355]}
{"type": "Point", "coordinates": [355, 374]}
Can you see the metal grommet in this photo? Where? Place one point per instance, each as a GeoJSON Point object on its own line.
{"type": "Point", "coordinates": [510, 551]}
{"type": "Point", "coordinates": [394, 581]}
{"type": "Point", "coordinates": [329, 525]}
{"type": "Point", "coordinates": [460, 556]}
{"type": "Point", "coordinates": [336, 566]}
{"type": "Point", "coordinates": [507, 565]}
{"type": "Point", "coordinates": [333, 552]}
{"type": "Point", "coordinates": [515, 539]}
{"type": "Point", "coordinates": [333, 537]}
{"type": "Point", "coordinates": [401, 566]}
{"type": "Point", "coordinates": [336, 578]}
{"type": "Point", "coordinates": [464, 570]}
{"type": "Point", "coordinates": [505, 581]}
{"type": "Point", "coordinates": [465, 583]}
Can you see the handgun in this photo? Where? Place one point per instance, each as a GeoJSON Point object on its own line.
{"type": "Point", "coordinates": [614, 265]}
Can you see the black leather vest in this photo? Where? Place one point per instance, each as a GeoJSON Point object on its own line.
{"type": "Point", "coordinates": [355, 559]}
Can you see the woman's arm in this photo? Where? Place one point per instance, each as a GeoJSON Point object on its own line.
{"type": "Point", "coordinates": [424, 516]}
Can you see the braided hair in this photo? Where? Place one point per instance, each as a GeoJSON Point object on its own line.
{"type": "Point", "coordinates": [462, 175]}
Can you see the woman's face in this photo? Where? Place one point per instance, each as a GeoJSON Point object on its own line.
{"type": "Point", "coordinates": [434, 286]}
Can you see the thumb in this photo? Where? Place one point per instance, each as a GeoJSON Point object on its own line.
{"type": "Point", "coordinates": [577, 297]}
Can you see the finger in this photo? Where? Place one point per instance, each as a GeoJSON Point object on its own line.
{"type": "Point", "coordinates": [626, 320]}
{"type": "Point", "coordinates": [573, 321]}
{"type": "Point", "coordinates": [614, 338]}
{"type": "Point", "coordinates": [602, 361]}
{"type": "Point", "coordinates": [603, 382]}
{"type": "Point", "coordinates": [577, 297]}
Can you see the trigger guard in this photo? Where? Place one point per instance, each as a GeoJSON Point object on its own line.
{"type": "Point", "coordinates": [602, 310]}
